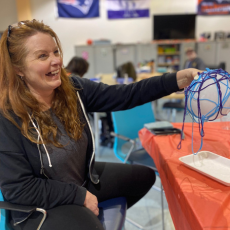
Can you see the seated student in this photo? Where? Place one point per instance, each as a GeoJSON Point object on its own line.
{"type": "Point", "coordinates": [127, 68]}
{"type": "Point", "coordinates": [193, 61]}
{"type": "Point", "coordinates": [77, 66]}
{"type": "Point", "coordinates": [46, 142]}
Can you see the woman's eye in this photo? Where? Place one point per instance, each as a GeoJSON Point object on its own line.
{"type": "Point", "coordinates": [56, 52]}
{"type": "Point", "coordinates": [42, 56]}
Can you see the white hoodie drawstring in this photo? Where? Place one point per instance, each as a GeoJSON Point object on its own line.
{"type": "Point", "coordinates": [39, 135]}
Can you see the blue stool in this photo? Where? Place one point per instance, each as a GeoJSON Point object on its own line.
{"type": "Point", "coordinates": [111, 213]}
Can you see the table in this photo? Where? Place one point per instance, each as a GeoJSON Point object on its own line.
{"type": "Point", "coordinates": [195, 201]}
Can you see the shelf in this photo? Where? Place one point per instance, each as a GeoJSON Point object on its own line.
{"type": "Point", "coordinates": [165, 54]}
{"type": "Point", "coordinates": [173, 41]}
{"type": "Point", "coordinates": [167, 64]}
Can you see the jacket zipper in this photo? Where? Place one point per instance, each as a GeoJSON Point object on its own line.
{"type": "Point", "coordinates": [42, 167]}
{"type": "Point", "coordinates": [91, 132]}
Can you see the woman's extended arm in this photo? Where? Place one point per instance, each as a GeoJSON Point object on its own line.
{"type": "Point", "coordinates": [99, 97]}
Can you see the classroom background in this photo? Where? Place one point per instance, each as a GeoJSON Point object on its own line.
{"type": "Point", "coordinates": [131, 40]}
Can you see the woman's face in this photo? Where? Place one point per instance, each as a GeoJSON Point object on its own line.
{"type": "Point", "coordinates": [42, 68]}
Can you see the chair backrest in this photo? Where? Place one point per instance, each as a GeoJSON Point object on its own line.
{"type": "Point", "coordinates": [3, 216]}
{"type": "Point", "coordinates": [128, 123]}
{"type": "Point", "coordinates": [221, 65]}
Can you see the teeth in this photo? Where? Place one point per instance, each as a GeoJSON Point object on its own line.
{"type": "Point", "coordinates": [54, 72]}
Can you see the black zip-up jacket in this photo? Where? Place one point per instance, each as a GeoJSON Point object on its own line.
{"type": "Point", "coordinates": [22, 180]}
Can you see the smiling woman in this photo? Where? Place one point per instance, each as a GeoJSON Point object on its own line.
{"type": "Point", "coordinates": [33, 63]}
{"type": "Point", "coordinates": [42, 67]}
{"type": "Point", "coordinates": [47, 152]}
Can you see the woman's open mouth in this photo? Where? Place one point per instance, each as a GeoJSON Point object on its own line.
{"type": "Point", "coordinates": [54, 73]}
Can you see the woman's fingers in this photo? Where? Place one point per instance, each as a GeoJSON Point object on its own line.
{"type": "Point", "coordinates": [96, 212]}
{"type": "Point", "coordinates": [91, 203]}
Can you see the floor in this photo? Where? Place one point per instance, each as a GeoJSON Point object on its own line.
{"type": "Point", "coordinates": [147, 212]}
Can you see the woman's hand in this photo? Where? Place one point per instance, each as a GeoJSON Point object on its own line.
{"type": "Point", "coordinates": [91, 203]}
{"type": "Point", "coordinates": [186, 76]}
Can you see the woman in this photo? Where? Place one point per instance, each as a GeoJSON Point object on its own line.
{"type": "Point", "coordinates": [46, 143]}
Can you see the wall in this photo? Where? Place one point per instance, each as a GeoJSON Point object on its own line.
{"type": "Point", "coordinates": [76, 31]}
{"type": "Point", "coordinates": [203, 23]}
{"type": "Point", "coordinates": [8, 13]}
{"type": "Point", "coordinates": [212, 24]}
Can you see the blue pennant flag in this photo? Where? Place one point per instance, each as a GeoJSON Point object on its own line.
{"type": "Point", "coordinates": [78, 8]}
{"type": "Point", "coordinates": [128, 8]}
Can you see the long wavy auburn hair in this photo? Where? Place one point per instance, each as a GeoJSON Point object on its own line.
{"type": "Point", "coordinates": [16, 97]}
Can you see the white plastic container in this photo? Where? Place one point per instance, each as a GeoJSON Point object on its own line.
{"type": "Point", "coordinates": [209, 164]}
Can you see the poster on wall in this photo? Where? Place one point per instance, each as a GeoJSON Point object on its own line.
{"type": "Point", "coordinates": [78, 8]}
{"type": "Point", "coordinates": [213, 7]}
{"type": "Point", "coordinates": [121, 9]}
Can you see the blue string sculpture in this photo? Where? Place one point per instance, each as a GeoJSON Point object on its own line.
{"type": "Point", "coordinates": [206, 99]}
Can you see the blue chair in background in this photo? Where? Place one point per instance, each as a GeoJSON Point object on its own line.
{"type": "Point", "coordinates": [126, 124]}
{"type": "Point", "coordinates": [111, 213]}
{"type": "Point", "coordinates": [127, 147]}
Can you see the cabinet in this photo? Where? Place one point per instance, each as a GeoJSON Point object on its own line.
{"type": "Point", "coordinates": [171, 56]}
{"type": "Point", "coordinates": [87, 52]}
{"type": "Point", "coordinates": [207, 52]}
{"type": "Point", "coordinates": [100, 59]}
{"type": "Point", "coordinates": [103, 59]}
{"type": "Point", "coordinates": [168, 57]}
{"type": "Point", "coordinates": [124, 53]}
{"type": "Point", "coordinates": [223, 53]}
{"type": "Point", "coordinates": [146, 53]}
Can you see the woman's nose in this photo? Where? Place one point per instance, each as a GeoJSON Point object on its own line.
{"type": "Point", "coordinates": [56, 60]}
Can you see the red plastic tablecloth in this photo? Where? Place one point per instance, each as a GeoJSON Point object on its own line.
{"type": "Point", "coordinates": [195, 201]}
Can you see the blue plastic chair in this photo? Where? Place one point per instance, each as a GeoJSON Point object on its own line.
{"type": "Point", "coordinates": [5, 206]}
{"type": "Point", "coordinates": [111, 213]}
{"type": "Point", "coordinates": [3, 217]}
{"type": "Point", "coordinates": [127, 124]}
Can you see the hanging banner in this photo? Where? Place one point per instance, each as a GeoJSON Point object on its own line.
{"type": "Point", "coordinates": [78, 8]}
{"type": "Point", "coordinates": [213, 7]}
{"type": "Point", "coordinates": [118, 9]}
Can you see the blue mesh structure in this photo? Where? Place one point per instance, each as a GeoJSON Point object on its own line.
{"type": "Point", "coordinates": [218, 99]}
